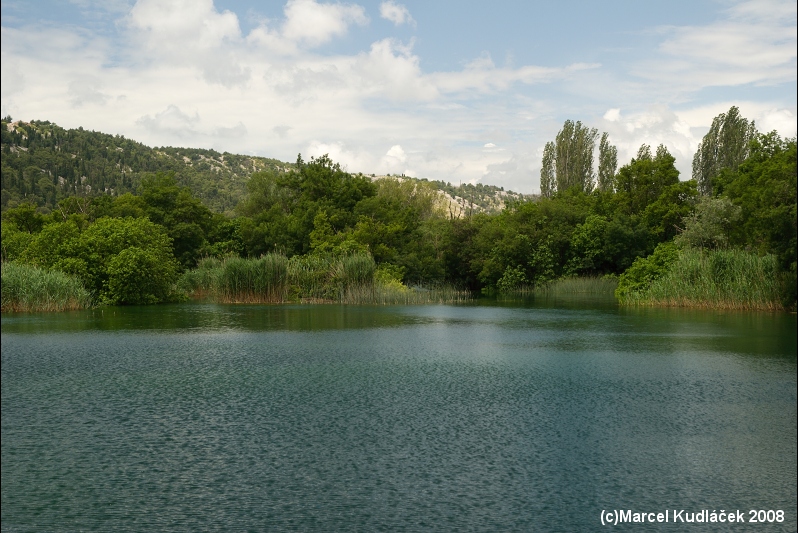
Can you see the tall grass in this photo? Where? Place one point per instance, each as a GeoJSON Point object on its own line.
{"type": "Point", "coordinates": [721, 279]}
{"type": "Point", "coordinates": [237, 280]}
{"type": "Point", "coordinates": [396, 294]}
{"type": "Point", "coordinates": [313, 278]}
{"type": "Point", "coordinates": [576, 286]}
{"type": "Point", "coordinates": [29, 288]}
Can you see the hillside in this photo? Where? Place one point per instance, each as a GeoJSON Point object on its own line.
{"type": "Point", "coordinates": [43, 163]}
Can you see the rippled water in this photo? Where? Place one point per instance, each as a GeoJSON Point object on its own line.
{"type": "Point", "coordinates": [499, 417]}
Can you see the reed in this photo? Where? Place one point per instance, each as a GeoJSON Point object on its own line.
{"type": "Point", "coordinates": [315, 278]}
{"type": "Point", "coordinates": [588, 285]}
{"type": "Point", "coordinates": [28, 288]}
{"type": "Point", "coordinates": [720, 279]}
{"type": "Point", "coordinates": [237, 280]}
{"type": "Point", "coordinates": [391, 294]}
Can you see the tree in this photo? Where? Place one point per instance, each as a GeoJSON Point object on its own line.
{"type": "Point", "coordinates": [644, 179]}
{"type": "Point", "coordinates": [725, 146]}
{"type": "Point", "coordinates": [574, 156]}
{"type": "Point", "coordinates": [119, 260]}
{"type": "Point", "coordinates": [710, 224]}
{"type": "Point", "coordinates": [547, 172]}
{"type": "Point", "coordinates": [608, 163]}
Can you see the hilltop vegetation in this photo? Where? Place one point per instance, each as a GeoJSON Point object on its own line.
{"type": "Point", "coordinates": [43, 163]}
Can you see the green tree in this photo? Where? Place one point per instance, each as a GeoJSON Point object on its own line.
{"type": "Point", "coordinates": [548, 182]}
{"type": "Point", "coordinates": [91, 253]}
{"type": "Point", "coordinates": [710, 225]}
{"type": "Point", "coordinates": [644, 179]}
{"type": "Point", "coordinates": [725, 146]}
{"type": "Point", "coordinates": [608, 163]}
{"type": "Point", "coordinates": [573, 150]}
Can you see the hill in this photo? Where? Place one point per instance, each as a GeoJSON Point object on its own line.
{"type": "Point", "coordinates": [43, 163]}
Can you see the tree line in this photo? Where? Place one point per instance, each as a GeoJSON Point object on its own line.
{"type": "Point", "coordinates": [133, 246]}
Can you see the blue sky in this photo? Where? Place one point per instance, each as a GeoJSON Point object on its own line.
{"type": "Point", "coordinates": [459, 91]}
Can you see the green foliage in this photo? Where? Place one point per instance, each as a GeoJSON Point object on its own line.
{"type": "Point", "coordinates": [94, 256]}
{"type": "Point", "coordinates": [12, 241]}
{"type": "Point", "coordinates": [724, 279]}
{"type": "Point", "coordinates": [644, 180]}
{"type": "Point", "coordinates": [710, 225]}
{"type": "Point", "coordinates": [725, 146]}
{"type": "Point", "coordinates": [608, 163]}
{"type": "Point", "coordinates": [28, 288]}
{"type": "Point", "coordinates": [43, 164]}
{"type": "Point", "coordinates": [24, 217]}
{"type": "Point", "coordinates": [644, 271]}
{"type": "Point", "coordinates": [284, 209]}
{"type": "Point", "coordinates": [573, 160]}
{"type": "Point", "coordinates": [513, 279]}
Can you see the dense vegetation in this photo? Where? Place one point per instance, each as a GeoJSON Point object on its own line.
{"type": "Point", "coordinates": [302, 231]}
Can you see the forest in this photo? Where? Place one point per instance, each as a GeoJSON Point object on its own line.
{"type": "Point", "coordinates": [121, 223]}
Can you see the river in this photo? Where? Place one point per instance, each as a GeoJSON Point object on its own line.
{"type": "Point", "coordinates": [494, 416]}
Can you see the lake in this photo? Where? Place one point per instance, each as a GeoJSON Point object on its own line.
{"type": "Point", "coordinates": [542, 415]}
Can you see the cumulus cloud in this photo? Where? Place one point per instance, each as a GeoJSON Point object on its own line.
{"type": "Point", "coordinates": [190, 32]}
{"type": "Point", "coordinates": [308, 24]}
{"type": "Point", "coordinates": [396, 13]}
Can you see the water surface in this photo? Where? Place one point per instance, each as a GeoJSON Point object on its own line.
{"type": "Point", "coordinates": [501, 416]}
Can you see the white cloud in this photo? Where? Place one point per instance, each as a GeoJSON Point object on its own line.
{"type": "Point", "coordinates": [754, 44]}
{"type": "Point", "coordinates": [308, 24]}
{"type": "Point", "coordinates": [86, 90]}
{"type": "Point", "coordinates": [172, 121]}
{"type": "Point", "coordinates": [613, 115]}
{"type": "Point", "coordinates": [190, 32]}
{"type": "Point", "coordinates": [234, 132]}
{"type": "Point", "coordinates": [396, 13]}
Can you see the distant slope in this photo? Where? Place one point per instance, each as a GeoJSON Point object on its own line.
{"type": "Point", "coordinates": [43, 163]}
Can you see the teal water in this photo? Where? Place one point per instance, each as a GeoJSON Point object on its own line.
{"type": "Point", "coordinates": [493, 417]}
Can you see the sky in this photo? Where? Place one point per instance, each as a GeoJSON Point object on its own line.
{"type": "Point", "coordinates": [462, 91]}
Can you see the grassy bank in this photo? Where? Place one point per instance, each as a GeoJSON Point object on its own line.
{"type": "Point", "coordinates": [350, 279]}
{"type": "Point", "coordinates": [721, 279]}
{"type": "Point", "coordinates": [28, 288]}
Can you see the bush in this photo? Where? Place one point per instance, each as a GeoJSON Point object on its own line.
{"type": "Point", "coordinates": [644, 271]}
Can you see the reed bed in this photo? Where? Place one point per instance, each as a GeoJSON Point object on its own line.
{"type": "Point", "coordinates": [588, 285]}
{"type": "Point", "coordinates": [390, 294]}
{"type": "Point", "coordinates": [27, 288]}
{"type": "Point", "coordinates": [237, 280]}
{"type": "Point", "coordinates": [273, 278]}
{"type": "Point", "coordinates": [721, 279]}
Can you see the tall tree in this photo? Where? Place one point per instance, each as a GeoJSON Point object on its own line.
{"type": "Point", "coordinates": [574, 146]}
{"type": "Point", "coordinates": [608, 163]}
{"type": "Point", "coordinates": [547, 171]}
{"type": "Point", "coordinates": [726, 145]}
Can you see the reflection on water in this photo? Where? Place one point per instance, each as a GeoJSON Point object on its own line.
{"type": "Point", "coordinates": [529, 415]}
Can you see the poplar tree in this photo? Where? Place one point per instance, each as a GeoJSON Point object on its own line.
{"type": "Point", "coordinates": [568, 161]}
{"type": "Point", "coordinates": [726, 145]}
{"type": "Point", "coordinates": [547, 176]}
{"type": "Point", "coordinates": [608, 163]}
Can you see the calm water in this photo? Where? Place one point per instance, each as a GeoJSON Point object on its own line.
{"type": "Point", "coordinates": [493, 417]}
